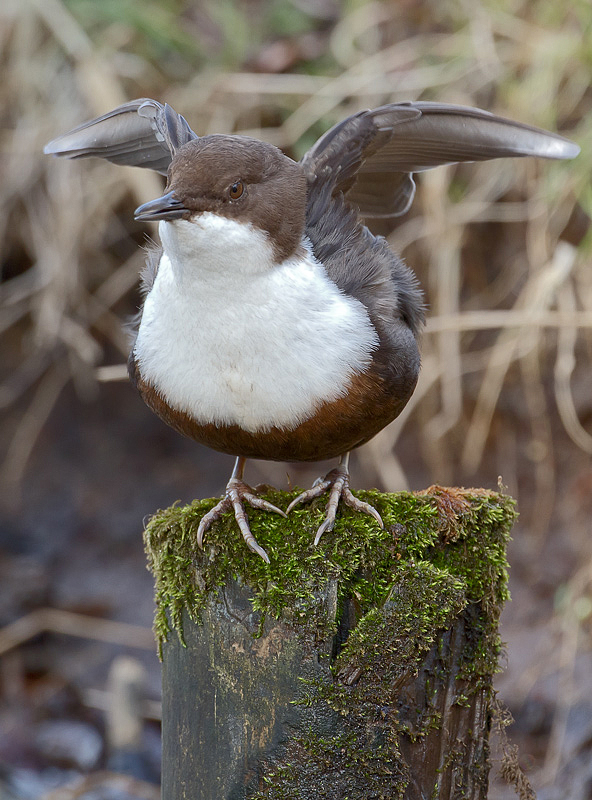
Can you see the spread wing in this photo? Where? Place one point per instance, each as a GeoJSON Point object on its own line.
{"type": "Point", "coordinates": [371, 156]}
{"type": "Point", "coordinates": [141, 133]}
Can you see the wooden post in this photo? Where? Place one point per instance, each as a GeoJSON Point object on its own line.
{"type": "Point", "coordinates": [358, 669]}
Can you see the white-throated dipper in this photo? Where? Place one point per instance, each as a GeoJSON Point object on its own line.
{"type": "Point", "coordinates": [274, 324]}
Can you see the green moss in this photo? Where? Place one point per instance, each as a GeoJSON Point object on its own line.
{"type": "Point", "coordinates": [393, 639]}
{"type": "Point", "coordinates": [458, 543]}
{"type": "Point", "coordinates": [404, 597]}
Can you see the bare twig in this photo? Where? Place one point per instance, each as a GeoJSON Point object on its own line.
{"type": "Point", "coordinates": [54, 620]}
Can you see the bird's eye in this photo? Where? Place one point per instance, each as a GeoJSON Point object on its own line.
{"type": "Point", "coordinates": [236, 190]}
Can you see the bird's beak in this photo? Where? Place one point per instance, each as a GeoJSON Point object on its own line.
{"type": "Point", "coordinates": [165, 207]}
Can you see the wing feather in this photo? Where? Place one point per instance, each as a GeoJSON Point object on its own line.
{"type": "Point", "coordinates": [141, 133]}
{"type": "Point", "coordinates": [371, 156]}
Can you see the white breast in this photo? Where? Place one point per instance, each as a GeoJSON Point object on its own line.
{"type": "Point", "coordinates": [229, 336]}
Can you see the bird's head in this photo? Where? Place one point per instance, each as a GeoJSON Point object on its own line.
{"type": "Point", "coordinates": [238, 179]}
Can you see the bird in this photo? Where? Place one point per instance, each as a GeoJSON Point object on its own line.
{"type": "Point", "coordinates": [274, 324]}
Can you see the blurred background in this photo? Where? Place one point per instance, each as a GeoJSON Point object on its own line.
{"type": "Point", "coordinates": [502, 250]}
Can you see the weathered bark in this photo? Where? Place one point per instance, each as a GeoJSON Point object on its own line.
{"type": "Point", "coordinates": [370, 678]}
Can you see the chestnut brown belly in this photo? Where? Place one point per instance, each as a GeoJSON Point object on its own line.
{"type": "Point", "coordinates": [334, 429]}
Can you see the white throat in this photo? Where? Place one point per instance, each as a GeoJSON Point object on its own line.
{"type": "Point", "coordinates": [230, 336]}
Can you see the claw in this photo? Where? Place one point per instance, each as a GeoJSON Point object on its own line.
{"type": "Point", "coordinates": [318, 488]}
{"type": "Point", "coordinates": [237, 493]}
{"type": "Point", "coordinates": [338, 481]}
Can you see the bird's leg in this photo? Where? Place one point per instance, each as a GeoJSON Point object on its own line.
{"type": "Point", "coordinates": [337, 481]}
{"type": "Point", "coordinates": [237, 493]}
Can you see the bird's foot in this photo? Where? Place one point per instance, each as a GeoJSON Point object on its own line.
{"type": "Point", "coordinates": [237, 493]}
{"type": "Point", "coordinates": [337, 481]}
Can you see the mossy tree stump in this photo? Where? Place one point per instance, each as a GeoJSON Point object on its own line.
{"type": "Point", "coordinates": [361, 668]}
